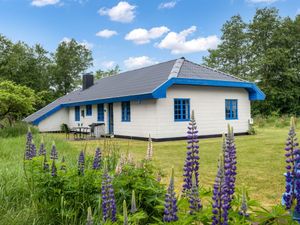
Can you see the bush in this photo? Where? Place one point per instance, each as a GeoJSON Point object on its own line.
{"type": "Point", "coordinates": [17, 129]}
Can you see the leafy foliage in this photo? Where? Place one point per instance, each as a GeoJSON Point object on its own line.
{"type": "Point", "coordinates": [265, 50]}
{"type": "Point", "coordinates": [15, 100]}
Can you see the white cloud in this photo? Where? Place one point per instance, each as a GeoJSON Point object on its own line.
{"type": "Point", "coordinates": [262, 1]}
{"type": "Point", "coordinates": [138, 62]}
{"type": "Point", "coordinates": [177, 43]}
{"type": "Point", "coordinates": [108, 64]}
{"type": "Point", "coordinates": [167, 5]}
{"type": "Point", "coordinates": [106, 33]}
{"type": "Point", "coordinates": [298, 11]}
{"type": "Point", "coordinates": [84, 43]}
{"type": "Point", "coordinates": [123, 12]}
{"type": "Point", "coordinates": [142, 36]}
{"type": "Point", "coordinates": [41, 3]}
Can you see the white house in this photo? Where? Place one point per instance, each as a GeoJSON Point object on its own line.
{"type": "Point", "coordinates": [155, 100]}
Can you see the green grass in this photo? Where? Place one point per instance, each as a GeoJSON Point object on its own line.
{"type": "Point", "coordinates": [260, 159]}
{"type": "Point", "coordinates": [260, 166]}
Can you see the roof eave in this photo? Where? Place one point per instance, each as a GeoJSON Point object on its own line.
{"type": "Point", "coordinates": [254, 92]}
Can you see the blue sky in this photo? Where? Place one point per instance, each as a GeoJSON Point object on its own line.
{"type": "Point", "coordinates": [130, 33]}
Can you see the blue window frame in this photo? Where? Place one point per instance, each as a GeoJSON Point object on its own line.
{"type": "Point", "coordinates": [181, 109]}
{"type": "Point", "coordinates": [89, 110]}
{"type": "Point", "coordinates": [231, 109]}
{"type": "Point", "coordinates": [100, 109]}
{"type": "Point", "coordinates": [126, 111]}
{"type": "Point", "coordinates": [77, 113]}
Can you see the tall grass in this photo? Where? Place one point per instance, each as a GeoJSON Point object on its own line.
{"type": "Point", "coordinates": [16, 205]}
{"type": "Point", "coordinates": [17, 129]}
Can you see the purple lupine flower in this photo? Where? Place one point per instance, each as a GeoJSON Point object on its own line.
{"type": "Point", "coordinates": [97, 159]}
{"type": "Point", "coordinates": [108, 198]}
{"type": "Point", "coordinates": [244, 206]}
{"type": "Point", "coordinates": [292, 160]}
{"type": "Point", "coordinates": [33, 150]}
{"type": "Point", "coordinates": [45, 164]}
{"type": "Point", "coordinates": [191, 165]}
{"type": "Point", "coordinates": [220, 197]}
{"type": "Point", "coordinates": [53, 169]}
{"type": "Point", "coordinates": [194, 200]}
{"type": "Point", "coordinates": [53, 154]}
{"type": "Point", "coordinates": [81, 163]}
{"type": "Point", "coordinates": [89, 220]}
{"type": "Point", "coordinates": [229, 153]}
{"type": "Point", "coordinates": [125, 215]}
{"type": "Point", "coordinates": [63, 164]}
{"type": "Point", "coordinates": [133, 203]}
{"type": "Point", "coordinates": [42, 150]}
{"type": "Point", "coordinates": [170, 212]}
{"type": "Point", "coordinates": [27, 155]}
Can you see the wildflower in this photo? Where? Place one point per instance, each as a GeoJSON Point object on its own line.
{"type": "Point", "coordinates": [220, 197]}
{"type": "Point", "coordinates": [229, 150]}
{"type": "Point", "coordinates": [53, 154]}
{"type": "Point", "coordinates": [81, 163]}
{"type": "Point", "coordinates": [149, 149]}
{"type": "Point", "coordinates": [125, 216]}
{"type": "Point", "coordinates": [45, 164]}
{"type": "Point", "coordinates": [191, 165]}
{"type": "Point", "coordinates": [63, 164]}
{"type": "Point", "coordinates": [42, 150]}
{"type": "Point", "coordinates": [170, 212]}
{"type": "Point", "coordinates": [292, 159]}
{"type": "Point", "coordinates": [97, 159]}
{"type": "Point", "coordinates": [89, 220]}
{"type": "Point", "coordinates": [53, 169]}
{"type": "Point", "coordinates": [108, 198]}
{"type": "Point", "coordinates": [32, 149]}
{"type": "Point", "coordinates": [194, 200]}
{"type": "Point", "coordinates": [27, 154]}
{"type": "Point", "coordinates": [244, 206]}
{"type": "Point", "coordinates": [119, 168]}
{"type": "Point", "coordinates": [133, 203]}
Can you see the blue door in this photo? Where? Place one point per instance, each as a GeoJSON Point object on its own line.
{"type": "Point", "coordinates": [111, 118]}
{"type": "Point", "coordinates": [77, 113]}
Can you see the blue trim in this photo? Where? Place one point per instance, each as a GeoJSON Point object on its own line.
{"type": "Point", "coordinates": [89, 110]}
{"type": "Point", "coordinates": [126, 111]}
{"type": "Point", "coordinates": [49, 113]}
{"type": "Point", "coordinates": [181, 102]}
{"type": "Point", "coordinates": [254, 93]}
{"type": "Point", "coordinates": [230, 102]}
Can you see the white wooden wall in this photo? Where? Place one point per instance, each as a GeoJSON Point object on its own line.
{"type": "Point", "coordinates": [209, 106]}
{"type": "Point", "coordinates": [156, 116]}
{"type": "Point", "coordinates": [53, 122]}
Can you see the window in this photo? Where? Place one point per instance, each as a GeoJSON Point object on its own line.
{"type": "Point", "coordinates": [77, 113]}
{"type": "Point", "coordinates": [88, 110]}
{"type": "Point", "coordinates": [126, 111]}
{"type": "Point", "coordinates": [181, 109]}
{"type": "Point", "coordinates": [231, 109]}
{"type": "Point", "coordinates": [100, 108]}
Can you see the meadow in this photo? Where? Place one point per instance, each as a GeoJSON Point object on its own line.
{"type": "Point", "coordinates": [260, 165]}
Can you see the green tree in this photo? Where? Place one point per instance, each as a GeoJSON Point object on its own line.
{"type": "Point", "coordinates": [101, 73]}
{"type": "Point", "coordinates": [24, 65]}
{"type": "Point", "coordinates": [71, 59]}
{"type": "Point", "coordinates": [266, 50]}
{"type": "Point", "coordinates": [16, 101]}
{"type": "Point", "coordinates": [231, 53]}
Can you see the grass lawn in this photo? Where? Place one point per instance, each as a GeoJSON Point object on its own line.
{"type": "Point", "coordinates": [260, 159]}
